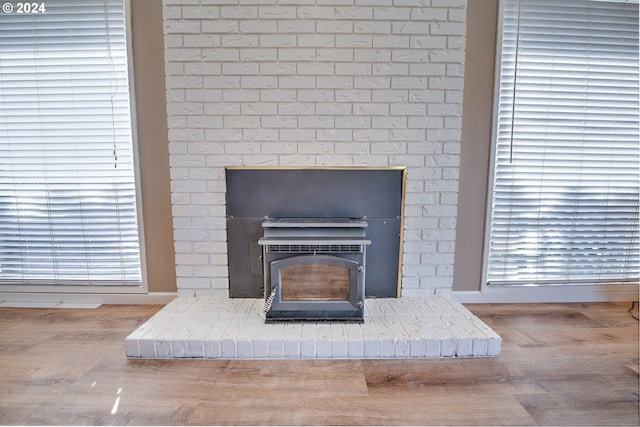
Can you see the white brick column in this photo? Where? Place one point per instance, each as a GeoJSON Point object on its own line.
{"type": "Point", "coordinates": [314, 83]}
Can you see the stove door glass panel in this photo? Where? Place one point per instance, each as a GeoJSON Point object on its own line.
{"type": "Point", "coordinates": [314, 282]}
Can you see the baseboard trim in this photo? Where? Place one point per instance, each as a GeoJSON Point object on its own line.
{"type": "Point", "coordinates": [539, 294]}
{"type": "Point", "coordinates": [69, 298]}
{"type": "Point", "coordinates": [549, 294]}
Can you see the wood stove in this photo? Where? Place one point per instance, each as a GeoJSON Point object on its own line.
{"type": "Point", "coordinates": [314, 268]}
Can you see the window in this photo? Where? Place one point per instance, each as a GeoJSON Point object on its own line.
{"type": "Point", "coordinates": [67, 187]}
{"type": "Point", "coordinates": [567, 151]}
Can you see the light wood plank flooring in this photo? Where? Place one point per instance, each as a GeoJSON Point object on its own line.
{"type": "Point", "coordinates": [561, 364]}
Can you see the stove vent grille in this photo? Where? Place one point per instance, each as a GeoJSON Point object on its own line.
{"type": "Point", "coordinates": [314, 249]}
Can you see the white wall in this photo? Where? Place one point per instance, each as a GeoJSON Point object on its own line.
{"type": "Point", "coordinates": [314, 83]}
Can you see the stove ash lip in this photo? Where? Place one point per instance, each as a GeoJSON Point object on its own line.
{"type": "Point", "coordinates": [323, 241]}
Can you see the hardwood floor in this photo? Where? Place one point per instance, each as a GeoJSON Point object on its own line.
{"type": "Point", "coordinates": [561, 364]}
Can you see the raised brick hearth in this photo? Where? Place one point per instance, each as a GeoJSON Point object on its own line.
{"type": "Point", "coordinates": [225, 328]}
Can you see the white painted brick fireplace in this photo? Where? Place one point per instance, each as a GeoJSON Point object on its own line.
{"type": "Point", "coordinates": [314, 83]}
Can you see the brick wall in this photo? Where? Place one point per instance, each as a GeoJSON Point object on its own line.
{"type": "Point", "coordinates": [314, 83]}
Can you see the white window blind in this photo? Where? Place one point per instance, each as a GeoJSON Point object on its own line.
{"type": "Point", "coordinates": [67, 191]}
{"type": "Point", "coordinates": [567, 156]}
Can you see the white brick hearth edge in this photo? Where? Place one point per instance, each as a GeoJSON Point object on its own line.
{"type": "Point", "coordinates": [226, 328]}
